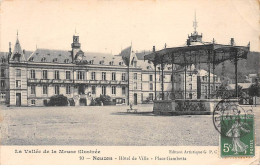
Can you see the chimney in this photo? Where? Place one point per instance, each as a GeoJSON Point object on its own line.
{"type": "Point", "coordinates": [232, 42]}
{"type": "Point", "coordinates": [188, 42]}
{"type": "Point", "coordinates": [10, 49]}
{"type": "Point", "coordinates": [153, 48]}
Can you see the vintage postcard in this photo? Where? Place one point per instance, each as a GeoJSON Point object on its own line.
{"type": "Point", "coordinates": [129, 82]}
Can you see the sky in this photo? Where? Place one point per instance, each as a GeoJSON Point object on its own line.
{"type": "Point", "coordinates": [109, 26]}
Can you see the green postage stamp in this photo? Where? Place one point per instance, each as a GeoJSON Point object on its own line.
{"type": "Point", "coordinates": [236, 127]}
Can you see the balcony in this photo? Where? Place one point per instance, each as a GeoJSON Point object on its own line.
{"type": "Point", "coordinates": [123, 82]}
{"type": "Point", "coordinates": [57, 81]}
{"type": "Point", "coordinates": [93, 81]}
{"type": "Point", "coordinates": [33, 81]}
{"type": "Point", "coordinates": [114, 82]}
{"type": "Point", "coordinates": [67, 81]}
{"type": "Point", "coordinates": [104, 82]}
{"type": "Point", "coordinates": [81, 81]}
{"type": "Point", "coordinates": [45, 81]}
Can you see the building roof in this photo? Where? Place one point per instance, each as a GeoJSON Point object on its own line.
{"type": "Point", "coordinates": [48, 55]}
{"type": "Point", "coordinates": [63, 56]}
{"type": "Point", "coordinates": [243, 85]}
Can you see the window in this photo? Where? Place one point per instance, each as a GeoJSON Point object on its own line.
{"type": "Point", "coordinates": [123, 90]}
{"type": "Point", "coordinates": [190, 86]}
{"type": "Point", "coordinates": [43, 59]}
{"type": "Point", "coordinates": [67, 89]}
{"type": "Point", "coordinates": [2, 73]}
{"type": "Point", "coordinates": [32, 74]}
{"type": "Point", "coordinates": [135, 76]}
{"type": "Point", "coordinates": [18, 83]}
{"type": "Point", "coordinates": [33, 102]}
{"type": "Point", "coordinates": [18, 72]}
{"type": "Point", "coordinates": [151, 77]}
{"type": "Point", "coordinates": [57, 90]}
{"type": "Point", "coordinates": [103, 75]}
{"type": "Point", "coordinates": [135, 85]}
{"type": "Point", "coordinates": [44, 74]}
{"type": "Point", "coordinates": [203, 78]}
{"type": "Point", "coordinates": [216, 87]}
{"type": "Point", "coordinates": [135, 63]}
{"type": "Point", "coordinates": [151, 86]}
{"type": "Point", "coordinates": [104, 90]}
{"type": "Point", "coordinates": [150, 96]}
{"type": "Point", "coordinates": [123, 76]}
{"type": "Point", "coordinates": [32, 90]}
{"type": "Point", "coordinates": [190, 95]}
{"type": "Point", "coordinates": [113, 76]}
{"type": "Point", "coordinates": [93, 89]}
{"type": "Point", "coordinates": [93, 75]}
{"type": "Point", "coordinates": [55, 60]}
{"type": "Point", "coordinates": [2, 95]}
{"type": "Point", "coordinates": [2, 83]}
{"type": "Point", "coordinates": [56, 75]}
{"type": "Point", "coordinates": [123, 101]}
{"type": "Point", "coordinates": [81, 75]}
{"type": "Point", "coordinates": [66, 61]}
{"type": "Point", "coordinates": [113, 90]}
{"type": "Point", "coordinates": [44, 89]}
{"type": "Point", "coordinates": [67, 74]}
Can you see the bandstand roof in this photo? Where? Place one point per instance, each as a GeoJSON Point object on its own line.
{"type": "Point", "coordinates": [202, 53]}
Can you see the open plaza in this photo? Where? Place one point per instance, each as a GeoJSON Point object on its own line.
{"type": "Point", "coordinates": [107, 126]}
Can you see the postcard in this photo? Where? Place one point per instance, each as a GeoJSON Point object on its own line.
{"type": "Point", "coordinates": [129, 82]}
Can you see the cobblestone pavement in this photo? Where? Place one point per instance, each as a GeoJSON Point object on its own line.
{"type": "Point", "coordinates": [105, 126]}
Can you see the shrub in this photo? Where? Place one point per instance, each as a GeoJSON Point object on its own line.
{"type": "Point", "coordinates": [58, 100]}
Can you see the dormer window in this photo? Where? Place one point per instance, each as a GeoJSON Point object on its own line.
{"type": "Point", "coordinates": [31, 59]}
{"type": "Point", "coordinates": [43, 59]}
{"type": "Point", "coordinates": [101, 62]}
{"type": "Point", "coordinates": [55, 60]}
{"type": "Point", "coordinates": [59, 54]}
{"type": "Point", "coordinates": [121, 63]}
{"type": "Point", "coordinates": [111, 63]}
{"type": "Point", "coordinates": [3, 60]}
{"type": "Point", "coordinates": [91, 61]}
{"type": "Point", "coordinates": [66, 61]}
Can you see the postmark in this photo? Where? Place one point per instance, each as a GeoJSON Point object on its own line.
{"type": "Point", "coordinates": [235, 123]}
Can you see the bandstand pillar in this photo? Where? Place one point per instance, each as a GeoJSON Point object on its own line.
{"type": "Point", "coordinates": [209, 74]}
{"type": "Point", "coordinates": [236, 79]}
{"type": "Point", "coordinates": [162, 67]}
{"type": "Point", "coordinates": [155, 96]}
{"type": "Point", "coordinates": [185, 74]}
{"type": "Point", "coordinates": [172, 78]}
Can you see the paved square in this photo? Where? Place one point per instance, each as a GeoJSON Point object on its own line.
{"type": "Point", "coordinates": [106, 126]}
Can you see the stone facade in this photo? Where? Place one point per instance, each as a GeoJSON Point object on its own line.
{"type": "Point", "coordinates": [31, 78]}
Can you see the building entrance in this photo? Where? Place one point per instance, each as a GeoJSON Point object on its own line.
{"type": "Point", "coordinates": [18, 99]}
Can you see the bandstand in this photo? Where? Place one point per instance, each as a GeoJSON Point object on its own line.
{"type": "Point", "coordinates": [195, 52]}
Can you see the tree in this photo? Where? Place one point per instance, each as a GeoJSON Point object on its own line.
{"type": "Point", "coordinates": [254, 90]}
{"type": "Point", "coordinates": [223, 91]}
{"type": "Point", "coordinates": [58, 100]}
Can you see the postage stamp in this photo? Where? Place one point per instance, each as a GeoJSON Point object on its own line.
{"type": "Point", "coordinates": [236, 127]}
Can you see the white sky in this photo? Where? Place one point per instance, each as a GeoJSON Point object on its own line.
{"type": "Point", "coordinates": [107, 26]}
